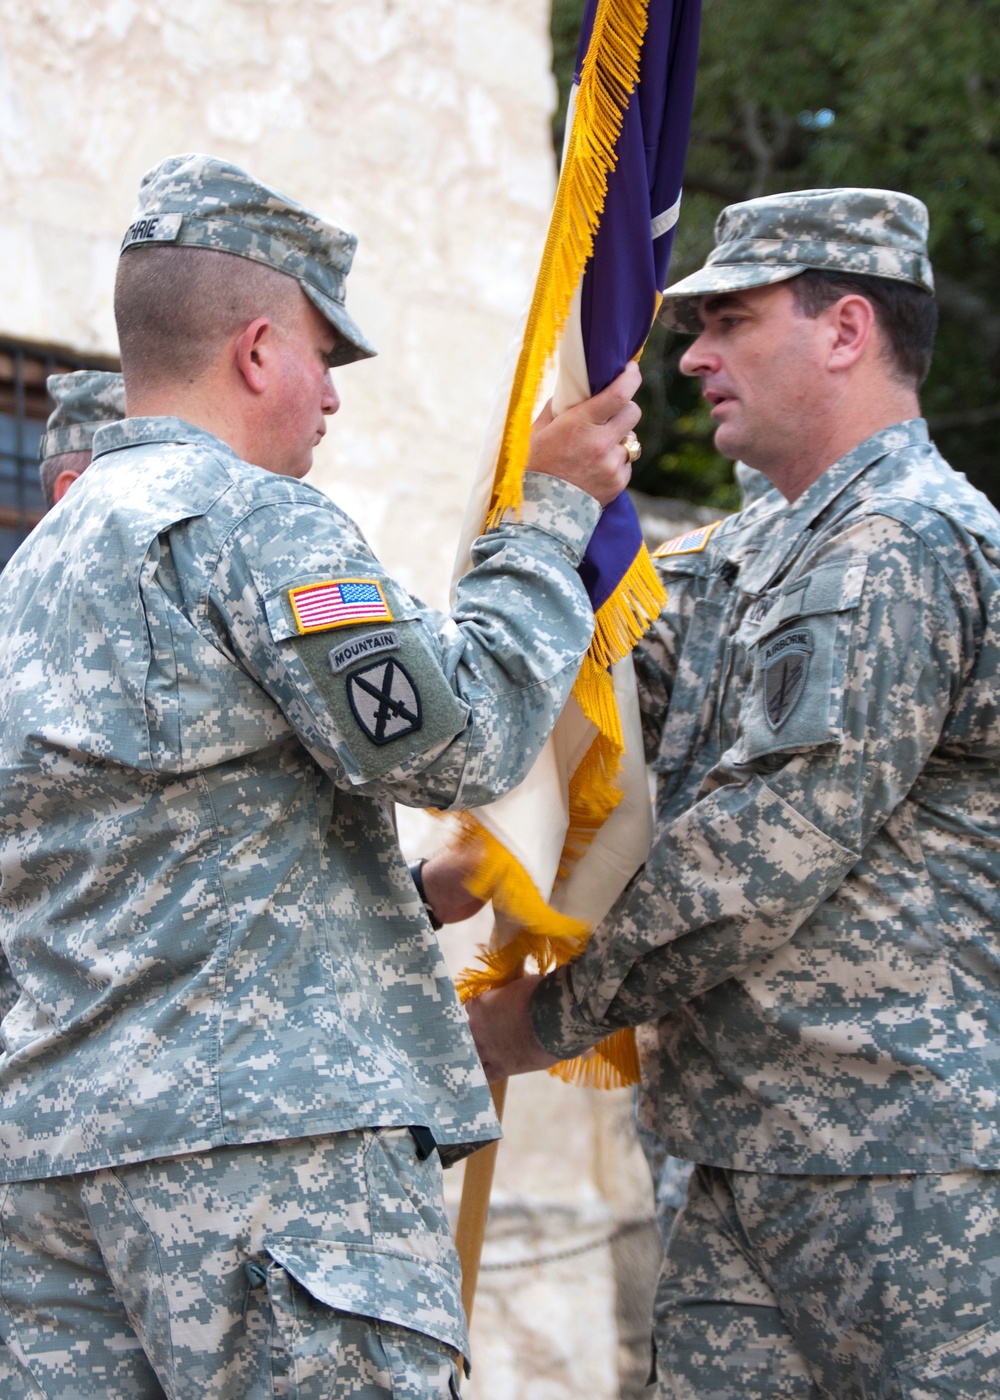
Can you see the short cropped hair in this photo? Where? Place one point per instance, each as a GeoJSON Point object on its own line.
{"type": "Point", "coordinates": [905, 314]}
{"type": "Point", "coordinates": [175, 308]}
{"type": "Point", "coordinates": [50, 468]}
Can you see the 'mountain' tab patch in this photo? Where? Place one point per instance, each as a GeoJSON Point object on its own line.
{"type": "Point", "coordinates": [358, 648]}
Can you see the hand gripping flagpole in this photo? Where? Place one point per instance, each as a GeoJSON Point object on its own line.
{"type": "Point", "coordinates": [554, 854]}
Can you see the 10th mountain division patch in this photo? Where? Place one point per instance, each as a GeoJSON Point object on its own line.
{"type": "Point", "coordinates": [384, 701]}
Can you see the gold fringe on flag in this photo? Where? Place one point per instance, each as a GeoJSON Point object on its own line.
{"type": "Point", "coordinates": [607, 81]}
{"type": "Point", "coordinates": [608, 78]}
{"type": "Point", "coordinates": [619, 623]}
{"type": "Point", "coordinates": [608, 1066]}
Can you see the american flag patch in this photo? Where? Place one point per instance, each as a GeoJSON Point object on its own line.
{"type": "Point", "coordinates": [318, 607]}
{"type": "Point", "coordinates": [691, 543]}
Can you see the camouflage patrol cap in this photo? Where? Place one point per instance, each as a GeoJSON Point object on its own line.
{"type": "Point", "coordinates": [198, 201]}
{"type": "Point", "coordinates": [85, 400]}
{"type": "Point", "coordinates": [880, 233]}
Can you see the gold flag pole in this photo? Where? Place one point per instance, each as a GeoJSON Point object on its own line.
{"type": "Point", "coordinates": [477, 1185]}
{"type": "Point", "coordinates": [474, 1207]}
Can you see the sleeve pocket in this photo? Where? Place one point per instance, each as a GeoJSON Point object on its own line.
{"type": "Point", "coordinates": [796, 695]}
{"type": "Point", "coordinates": [376, 688]}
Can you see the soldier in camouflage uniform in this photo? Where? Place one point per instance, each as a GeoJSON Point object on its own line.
{"type": "Point", "coordinates": [671, 1174]}
{"type": "Point", "coordinates": [236, 1047]}
{"type": "Point", "coordinates": [84, 401]}
{"type": "Point", "coordinates": [812, 950]}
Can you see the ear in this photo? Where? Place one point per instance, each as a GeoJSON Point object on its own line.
{"type": "Point", "coordinates": [852, 330]}
{"type": "Point", "coordinates": [62, 484]}
{"type": "Point", "coordinates": [252, 350]}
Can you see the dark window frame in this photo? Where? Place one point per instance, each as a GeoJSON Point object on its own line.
{"type": "Point", "coordinates": [24, 368]}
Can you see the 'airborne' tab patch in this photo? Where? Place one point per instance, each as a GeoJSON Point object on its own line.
{"type": "Point", "coordinates": [340, 602]}
{"type": "Point", "coordinates": [691, 543]}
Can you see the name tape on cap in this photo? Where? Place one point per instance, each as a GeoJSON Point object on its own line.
{"type": "Point", "coordinates": [154, 228]}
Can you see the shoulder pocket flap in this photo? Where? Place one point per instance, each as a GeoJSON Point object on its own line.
{"type": "Point", "coordinates": [829, 588]}
{"type": "Point", "coordinates": [686, 565]}
{"type": "Point", "coordinates": [967, 1368]}
{"type": "Point", "coordinates": [385, 693]}
{"type": "Point", "coordinates": [280, 608]}
{"type": "Point", "coordinates": [402, 1288]}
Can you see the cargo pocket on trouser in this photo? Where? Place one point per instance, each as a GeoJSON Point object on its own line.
{"type": "Point", "coordinates": [966, 1368]}
{"type": "Point", "coordinates": [384, 1316]}
{"type": "Point", "coordinates": [320, 1351]}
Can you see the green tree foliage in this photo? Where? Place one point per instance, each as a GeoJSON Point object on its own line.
{"type": "Point", "coordinates": [901, 94]}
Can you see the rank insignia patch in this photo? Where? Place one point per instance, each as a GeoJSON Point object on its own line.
{"type": "Point", "coordinates": [691, 543]}
{"type": "Point", "coordinates": [340, 602]}
{"type": "Point", "coordinates": [759, 609]}
{"type": "Point", "coordinates": [784, 667]}
{"type": "Point", "coordinates": [384, 701]}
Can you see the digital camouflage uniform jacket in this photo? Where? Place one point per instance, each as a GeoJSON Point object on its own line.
{"type": "Point", "coordinates": [816, 935]}
{"type": "Point", "coordinates": [203, 898]}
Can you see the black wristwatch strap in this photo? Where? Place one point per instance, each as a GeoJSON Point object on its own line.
{"type": "Point", "coordinates": [417, 876]}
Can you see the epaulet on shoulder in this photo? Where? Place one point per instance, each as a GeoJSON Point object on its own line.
{"type": "Point", "coordinates": [262, 487]}
{"type": "Point", "coordinates": [933, 525]}
{"type": "Point", "coordinates": [693, 542]}
{"type": "Point", "coordinates": [944, 532]}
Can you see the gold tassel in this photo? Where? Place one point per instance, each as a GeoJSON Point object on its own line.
{"type": "Point", "coordinates": [593, 796]}
{"type": "Point", "coordinates": [621, 621]}
{"type": "Point", "coordinates": [595, 694]}
{"type": "Point", "coordinates": [499, 877]}
{"type": "Point", "coordinates": [613, 1064]}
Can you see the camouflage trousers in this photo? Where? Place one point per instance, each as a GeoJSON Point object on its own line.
{"type": "Point", "coordinates": [846, 1288]}
{"type": "Point", "coordinates": [310, 1269]}
{"type": "Point", "coordinates": [670, 1179]}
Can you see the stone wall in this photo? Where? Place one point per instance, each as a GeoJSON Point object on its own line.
{"type": "Point", "coordinates": [422, 125]}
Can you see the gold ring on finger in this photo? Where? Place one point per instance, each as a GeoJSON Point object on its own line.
{"type": "Point", "coordinates": [632, 446]}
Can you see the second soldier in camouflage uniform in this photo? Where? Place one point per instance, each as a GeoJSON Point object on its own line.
{"type": "Point", "coordinates": [85, 400]}
{"type": "Point", "coordinates": [814, 939]}
{"type": "Point", "coordinates": [236, 1045]}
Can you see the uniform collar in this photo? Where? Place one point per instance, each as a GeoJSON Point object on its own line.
{"type": "Point", "coordinates": [139, 432]}
{"type": "Point", "coordinates": [813, 502]}
{"type": "Point", "coordinates": [788, 523]}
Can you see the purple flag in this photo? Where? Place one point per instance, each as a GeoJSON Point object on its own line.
{"type": "Point", "coordinates": [633, 242]}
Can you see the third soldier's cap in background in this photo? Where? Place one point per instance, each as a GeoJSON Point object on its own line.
{"type": "Point", "coordinates": [880, 233]}
{"type": "Point", "coordinates": [85, 400]}
{"type": "Point", "coordinates": [199, 201]}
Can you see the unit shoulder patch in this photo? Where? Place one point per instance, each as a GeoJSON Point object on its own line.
{"type": "Point", "coordinates": [693, 542]}
{"type": "Point", "coordinates": [339, 602]}
{"type": "Point", "coordinates": [385, 701]}
{"type": "Point", "coordinates": [784, 667]}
